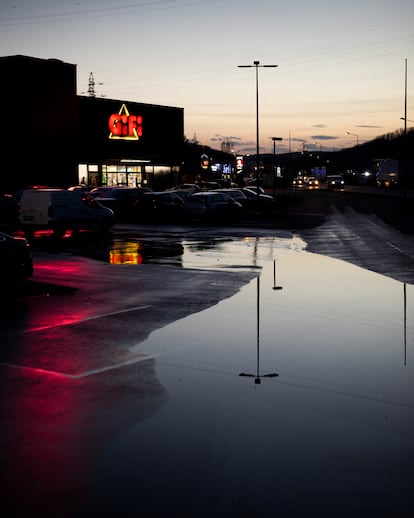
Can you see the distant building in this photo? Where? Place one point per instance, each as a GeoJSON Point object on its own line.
{"type": "Point", "coordinates": [51, 136]}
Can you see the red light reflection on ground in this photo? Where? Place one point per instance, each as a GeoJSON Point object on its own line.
{"type": "Point", "coordinates": [46, 438]}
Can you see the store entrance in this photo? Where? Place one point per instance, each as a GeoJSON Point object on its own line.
{"type": "Point", "coordinates": [112, 175]}
{"type": "Point", "coordinates": [128, 175]}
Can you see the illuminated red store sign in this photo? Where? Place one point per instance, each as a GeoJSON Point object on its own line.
{"type": "Point", "coordinates": [125, 126]}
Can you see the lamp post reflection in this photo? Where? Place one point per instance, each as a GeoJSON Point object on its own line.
{"type": "Point", "coordinates": [275, 287]}
{"type": "Point", "coordinates": [257, 377]}
{"type": "Point", "coordinates": [405, 323]}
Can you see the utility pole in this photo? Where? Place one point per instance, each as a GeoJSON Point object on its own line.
{"type": "Point", "coordinates": [91, 86]}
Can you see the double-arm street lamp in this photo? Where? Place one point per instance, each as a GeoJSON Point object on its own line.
{"type": "Point", "coordinates": [256, 64]}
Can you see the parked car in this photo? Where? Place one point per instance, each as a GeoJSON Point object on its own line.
{"type": "Point", "coordinates": [334, 182]}
{"type": "Point", "coordinates": [9, 212]}
{"type": "Point", "coordinates": [209, 186]}
{"type": "Point", "coordinates": [184, 194]}
{"type": "Point", "coordinates": [252, 182]}
{"type": "Point", "coordinates": [192, 187]}
{"type": "Point", "coordinates": [261, 201]}
{"type": "Point", "coordinates": [212, 205]}
{"type": "Point", "coordinates": [16, 261]}
{"type": "Point", "coordinates": [159, 206]}
{"type": "Point", "coordinates": [18, 194]}
{"type": "Point", "coordinates": [235, 193]}
{"type": "Point", "coordinates": [104, 190]}
{"type": "Point", "coordinates": [81, 187]}
{"type": "Point", "coordinates": [60, 210]}
{"type": "Point", "coordinates": [122, 200]}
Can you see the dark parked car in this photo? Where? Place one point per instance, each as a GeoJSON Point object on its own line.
{"type": "Point", "coordinates": [16, 262]}
{"type": "Point", "coordinates": [235, 193]}
{"type": "Point", "coordinates": [261, 201]}
{"type": "Point", "coordinates": [252, 182]}
{"type": "Point", "coordinates": [81, 187]}
{"type": "Point", "coordinates": [103, 190]}
{"type": "Point", "coordinates": [191, 187]}
{"type": "Point", "coordinates": [163, 206]}
{"type": "Point", "coordinates": [212, 205]}
{"type": "Point", "coordinates": [122, 200]}
{"type": "Point", "coordinates": [184, 194]}
{"type": "Point", "coordinates": [209, 186]}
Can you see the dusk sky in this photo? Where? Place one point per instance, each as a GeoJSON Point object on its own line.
{"type": "Point", "coordinates": [341, 65]}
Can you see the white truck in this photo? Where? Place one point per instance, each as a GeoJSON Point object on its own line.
{"type": "Point", "coordinates": [60, 210]}
{"type": "Point", "coordinates": [386, 172]}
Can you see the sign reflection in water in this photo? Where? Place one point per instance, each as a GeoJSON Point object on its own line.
{"type": "Point", "coordinates": [126, 253]}
{"type": "Point", "coordinates": [140, 252]}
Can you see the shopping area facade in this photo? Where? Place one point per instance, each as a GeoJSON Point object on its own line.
{"type": "Point", "coordinates": [64, 139]}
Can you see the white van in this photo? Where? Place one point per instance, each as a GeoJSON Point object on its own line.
{"type": "Point", "coordinates": [61, 210]}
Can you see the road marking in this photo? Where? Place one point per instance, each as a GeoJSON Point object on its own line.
{"type": "Point", "coordinates": [84, 374]}
{"type": "Point", "coordinates": [71, 322]}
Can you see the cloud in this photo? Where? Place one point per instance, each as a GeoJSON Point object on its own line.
{"type": "Point", "coordinates": [319, 126]}
{"type": "Point", "coordinates": [368, 126]}
{"type": "Point", "coordinates": [323, 137]}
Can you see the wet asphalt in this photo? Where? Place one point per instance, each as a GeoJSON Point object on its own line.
{"type": "Point", "coordinates": [70, 386]}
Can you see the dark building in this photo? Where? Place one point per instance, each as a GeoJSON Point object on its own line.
{"type": "Point", "coordinates": [51, 136]}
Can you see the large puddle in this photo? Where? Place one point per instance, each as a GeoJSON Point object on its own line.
{"type": "Point", "coordinates": [201, 252]}
{"type": "Point", "coordinates": [295, 396]}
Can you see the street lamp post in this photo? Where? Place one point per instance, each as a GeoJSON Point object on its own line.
{"type": "Point", "coordinates": [320, 146]}
{"type": "Point", "coordinates": [274, 161]}
{"type": "Point", "coordinates": [257, 64]}
{"type": "Point", "coordinates": [353, 134]}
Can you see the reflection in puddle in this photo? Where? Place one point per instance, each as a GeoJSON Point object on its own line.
{"type": "Point", "coordinates": [201, 253]}
{"type": "Point", "coordinates": [332, 433]}
{"type": "Point", "coordinates": [328, 314]}
{"type": "Point", "coordinates": [140, 252]}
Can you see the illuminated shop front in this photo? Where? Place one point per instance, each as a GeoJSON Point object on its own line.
{"type": "Point", "coordinates": [82, 139]}
{"type": "Point", "coordinates": [129, 174]}
{"type": "Point", "coordinates": [126, 172]}
{"type": "Point", "coordinates": [135, 144]}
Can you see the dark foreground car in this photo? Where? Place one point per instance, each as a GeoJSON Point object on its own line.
{"type": "Point", "coordinates": [213, 205]}
{"type": "Point", "coordinates": [16, 262]}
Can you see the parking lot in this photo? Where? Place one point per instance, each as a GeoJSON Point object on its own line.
{"type": "Point", "coordinates": [121, 364]}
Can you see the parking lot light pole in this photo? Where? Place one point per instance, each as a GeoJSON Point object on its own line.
{"type": "Point", "coordinates": [257, 64]}
{"type": "Point", "coordinates": [274, 161]}
{"type": "Point", "coordinates": [353, 134]}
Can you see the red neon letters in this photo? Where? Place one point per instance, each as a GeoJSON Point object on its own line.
{"type": "Point", "coordinates": [125, 125]}
{"type": "Point", "coordinates": [122, 125]}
